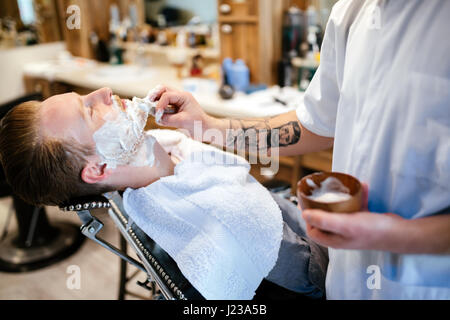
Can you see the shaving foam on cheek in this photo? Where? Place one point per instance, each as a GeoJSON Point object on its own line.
{"type": "Point", "coordinates": [121, 140]}
{"type": "Point", "coordinates": [145, 155]}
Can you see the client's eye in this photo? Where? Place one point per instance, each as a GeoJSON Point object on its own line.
{"type": "Point", "coordinates": [90, 109]}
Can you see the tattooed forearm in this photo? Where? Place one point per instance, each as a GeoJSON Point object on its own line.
{"type": "Point", "coordinates": [258, 135]}
{"type": "Point", "coordinates": [288, 134]}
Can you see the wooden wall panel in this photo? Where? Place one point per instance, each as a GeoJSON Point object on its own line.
{"type": "Point", "coordinates": [9, 8]}
{"type": "Point", "coordinates": [95, 16]}
{"type": "Point", "coordinates": [48, 24]}
{"type": "Point", "coordinates": [77, 40]}
{"type": "Point", "coordinates": [256, 34]}
{"type": "Point", "coordinates": [242, 42]}
{"type": "Point", "coordinates": [302, 4]}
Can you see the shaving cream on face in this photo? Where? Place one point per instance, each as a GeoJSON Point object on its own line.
{"type": "Point", "coordinates": [121, 140]}
{"type": "Point", "coordinates": [330, 190]}
{"type": "Point", "coordinates": [146, 105]}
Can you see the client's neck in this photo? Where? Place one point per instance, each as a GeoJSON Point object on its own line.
{"type": "Point", "coordinates": [139, 177]}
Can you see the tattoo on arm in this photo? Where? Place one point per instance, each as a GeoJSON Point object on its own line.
{"type": "Point", "coordinates": [257, 135]}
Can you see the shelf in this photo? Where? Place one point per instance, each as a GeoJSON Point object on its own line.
{"type": "Point", "coordinates": [207, 53]}
{"type": "Point", "coordinates": [300, 62]}
{"type": "Point", "coordinates": [238, 19]}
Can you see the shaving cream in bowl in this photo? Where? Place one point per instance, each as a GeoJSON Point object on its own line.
{"type": "Point", "coordinates": [330, 191]}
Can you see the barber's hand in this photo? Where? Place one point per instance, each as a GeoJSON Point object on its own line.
{"type": "Point", "coordinates": [362, 230]}
{"type": "Point", "coordinates": [189, 111]}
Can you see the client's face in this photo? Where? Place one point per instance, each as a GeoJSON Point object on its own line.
{"type": "Point", "coordinates": [116, 135]}
{"type": "Point", "coordinates": [72, 116]}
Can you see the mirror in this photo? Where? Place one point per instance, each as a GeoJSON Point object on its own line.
{"type": "Point", "coordinates": [27, 22]}
{"type": "Point", "coordinates": [170, 13]}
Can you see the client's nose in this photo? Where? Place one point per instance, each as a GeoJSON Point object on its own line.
{"type": "Point", "coordinates": [106, 94]}
{"type": "Point", "coordinates": [102, 95]}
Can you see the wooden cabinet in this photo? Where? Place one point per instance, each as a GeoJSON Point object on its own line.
{"type": "Point", "coordinates": [251, 30]}
{"type": "Point", "coordinates": [241, 27]}
{"type": "Point", "coordinates": [9, 8]}
{"type": "Point", "coordinates": [291, 169]}
{"type": "Point", "coordinates": [77, 40]}
{"type": "Point", "coordinates": [43, 86]}
{"type": "Point", "coordinates": [95, 17]}
{"type": "Point", "coordinates": [48, 22]}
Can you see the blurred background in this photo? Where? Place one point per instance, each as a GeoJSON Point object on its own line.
{"type": "Point", "coordinates": [239, 58]}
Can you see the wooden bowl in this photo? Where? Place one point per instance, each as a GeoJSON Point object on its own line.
{"type": "Point", "coordinates": [351, 205]}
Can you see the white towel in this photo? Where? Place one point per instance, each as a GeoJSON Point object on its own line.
{"type": "Point", "coordinates": [216, 221]}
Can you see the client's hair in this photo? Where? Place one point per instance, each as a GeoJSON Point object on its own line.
{"type": "Point", "coordinates": [42, 170]}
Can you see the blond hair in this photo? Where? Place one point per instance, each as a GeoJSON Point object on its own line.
{"type": "Point", "coordinates": [42, 170]}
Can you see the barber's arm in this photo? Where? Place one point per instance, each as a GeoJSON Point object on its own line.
{"type": "Point", "coordinates": [284, 130]}
{"type": "Point", "coordinates": [252, 135]}
{"type": "Point", "coordinates": [380, 231]}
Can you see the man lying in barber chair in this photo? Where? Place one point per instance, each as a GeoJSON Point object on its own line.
{"type": "Point", "coordinates": [224, 230]}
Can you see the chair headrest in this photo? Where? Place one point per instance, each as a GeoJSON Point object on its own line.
{"type": "Point", "coordinates": [86, 203]}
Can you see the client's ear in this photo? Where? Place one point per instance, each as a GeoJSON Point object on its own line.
{"type": "Point", "coordinates": [94, 173]}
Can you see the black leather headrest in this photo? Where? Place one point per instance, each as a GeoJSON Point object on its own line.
{"type": "Point", "coordinates": [86, 203]}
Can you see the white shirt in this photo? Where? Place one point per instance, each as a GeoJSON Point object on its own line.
{"type": "Point", "coordinates": [383, 92]}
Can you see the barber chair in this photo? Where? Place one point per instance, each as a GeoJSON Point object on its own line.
{"type": "Point", "coordinates": [36, 243]}
{"type": "Point", "coordinates": [160, 268]}
{"type": "Point", "coordinates": [163, 275]}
